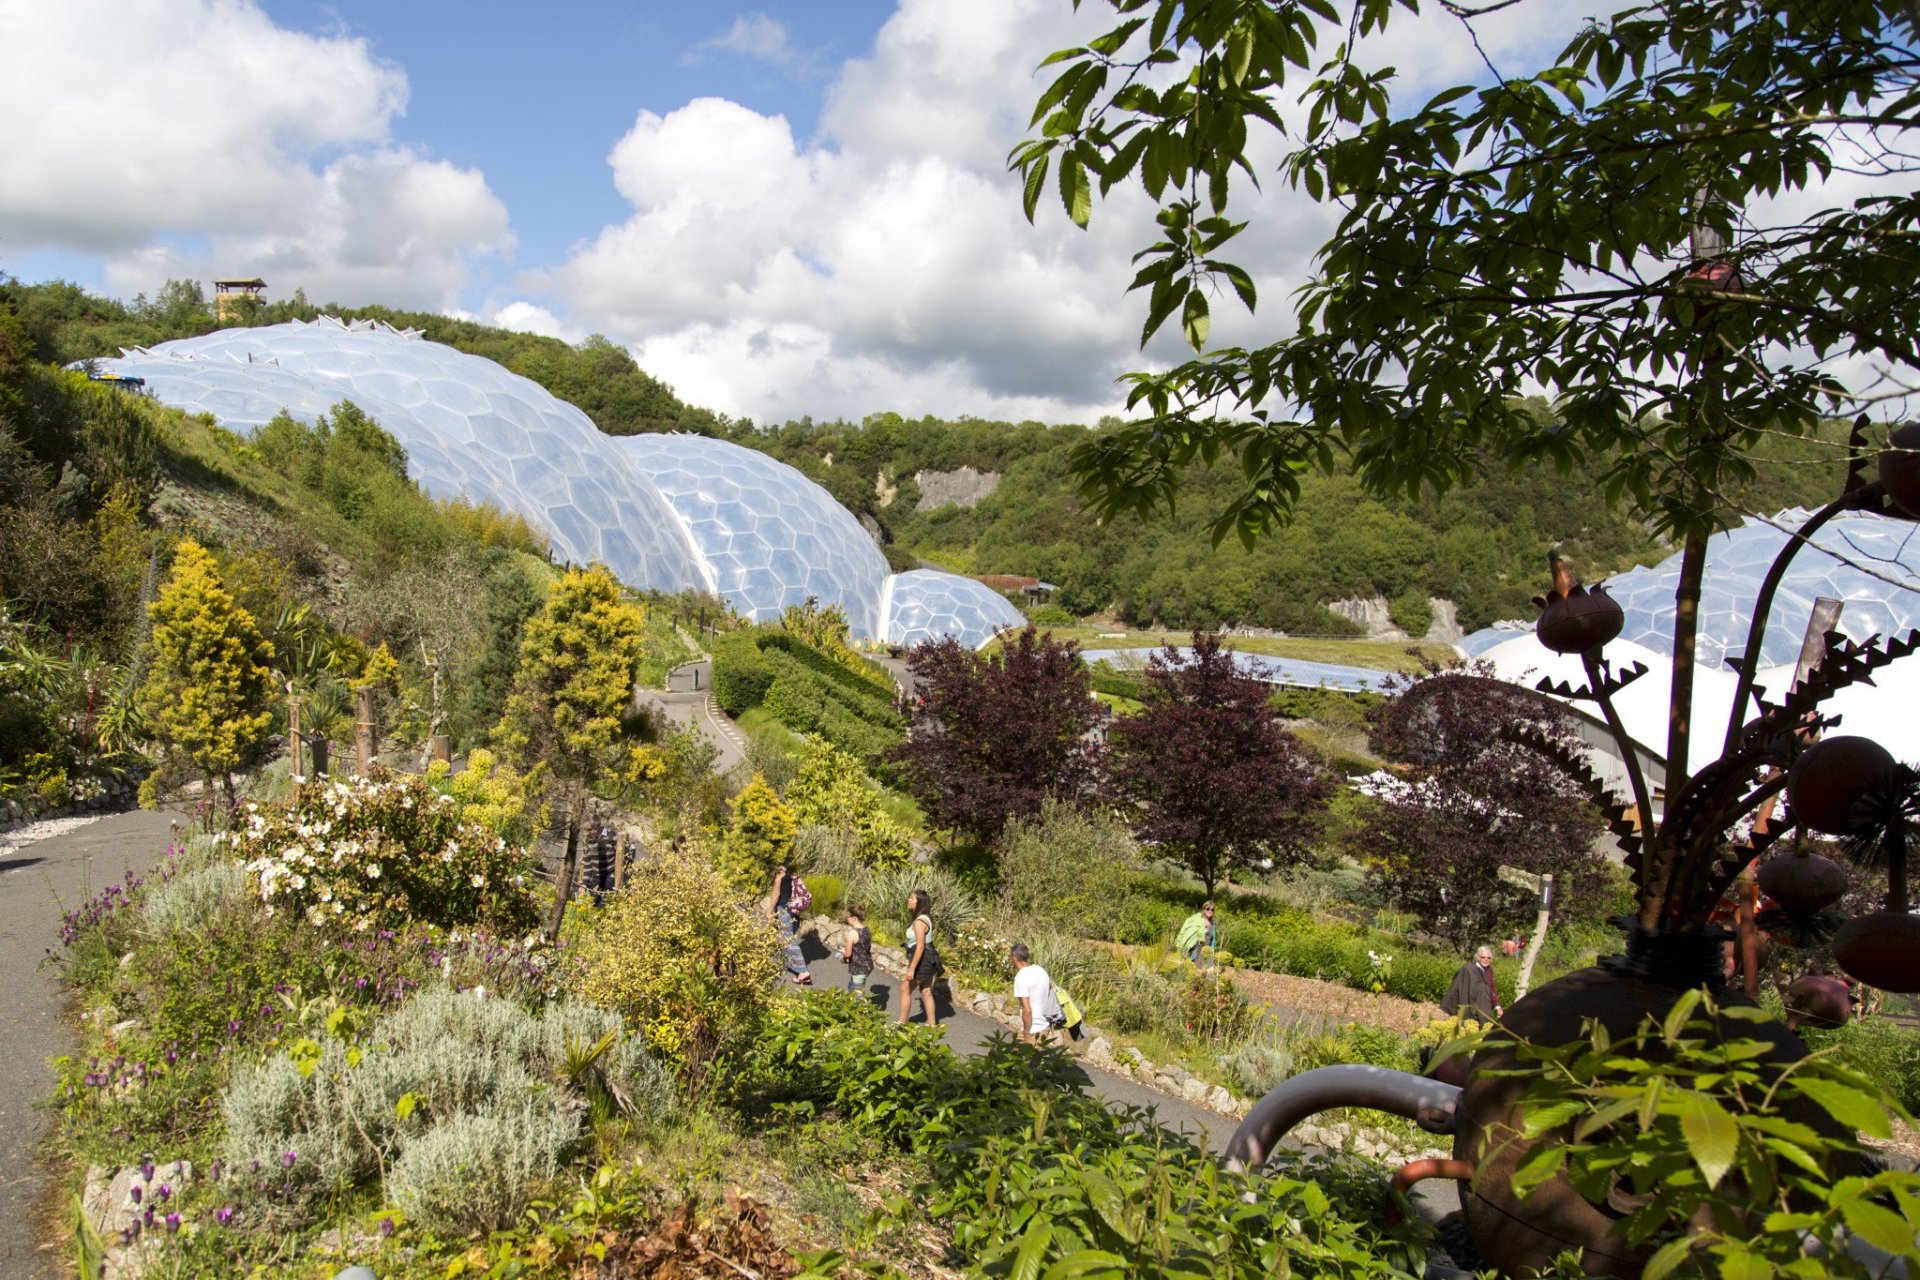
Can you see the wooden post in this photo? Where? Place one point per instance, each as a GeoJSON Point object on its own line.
{"type": "Point", "coordinates": [363, 730]}
{"type": "Point", "coordinates": [296, 745]}
{"type": "Point", "coordinates": [1525, 980]}
{"type": "Point", "coordinates": [441, 748]}
{"type": "Point", "coordinates": [322, 756]}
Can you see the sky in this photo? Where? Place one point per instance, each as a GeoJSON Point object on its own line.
{"type": "Point", "coordinates": [800, 209]}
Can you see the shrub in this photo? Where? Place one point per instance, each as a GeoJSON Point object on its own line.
{"type": "Point", "coordinates": [759, 838]}
{"type": "Point", "coordinates": [829, 893]}
{"type": "Point", "coordinates": [1067, 866]}
{"type": "Point", "coordinates": [326, 1118]}
{"type": "Point", "coordinates": [1022, 1162]}
{"type": "Point", "coordinates": [679, 955]}
{"type": "Point", "coordinates": [740, 675]}
{"type": "Point", "coordinates": [188, 901]}
{"type": "Point", "coordinates": [382, 850]}
{"type": "Point", "coordinates": [491, 795]}
{"type": "Point", "coordinates": [1883, 1051]}
{"type": "Point", "coordinates": [885, 890]}
{"type": "Point", "coordinates": [831, 791]}
{"type": "Point", "coordinates": [1256, 1069]}
{"type": "Point", "coordinates": [474, 1172]}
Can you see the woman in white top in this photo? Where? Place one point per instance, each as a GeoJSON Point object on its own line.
{"type": "Point", "coordinates": [1039, 1007]}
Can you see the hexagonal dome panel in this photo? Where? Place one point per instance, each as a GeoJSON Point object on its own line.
{"type": "Point", "coordinates": [925, 604]}
{"type": "Point", "coordinates": [768, 536]}
{"type": "Point", "coordinates": [471, 429]}
{"type": "Point", "coordinates": [1737, 560]}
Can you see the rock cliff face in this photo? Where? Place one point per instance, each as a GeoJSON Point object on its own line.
{"type": "Point", "coordinates": [1373, 613]}
{"type": "Point", "coordinates": [963, 488]}
{"type": "Point", "coordinates": [1370, 612]}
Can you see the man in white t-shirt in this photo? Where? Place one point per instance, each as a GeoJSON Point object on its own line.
{"type": "Point", "coordinates": [1039, 1007]}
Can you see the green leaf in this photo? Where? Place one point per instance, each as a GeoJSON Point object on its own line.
{"type": "Point", "coordinates": [1088, 1262]}
{"type": "Point", "coordinates": [1849, 1106]}
{"type": "Point", "coordinates": [1682, 1010]}
{"type": "Point", "coordinates": [407, 1102]}
{"type": "Point", "coordinates": [1033, 1248]}
{"type": "Point", "coordinates": [1744, 1266]}
{"type": "Point", "coordinates": [1194, 319]}
{"type": "Point", "coordinates": [1036, 182]}
{"type": "Point", "coordinates": [1879, 1226]}
{"type": "Point", "coordinates": [1711, 1134]}
{"type": "Point", "coordinates": [1669, 1256]}
{"type": "Point", "coordinates": [1076, 193]}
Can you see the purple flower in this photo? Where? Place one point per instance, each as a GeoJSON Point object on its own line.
{"type": "Point", "coordinates": [173, 1222]}
{"type": "Point", "coordinates": [223, 1215]}
{"type": "Point", "coordinates": [386, 1227]}
{"type": "Point", "coordinates": [163, 1191]}
{"type": "Point", "coordinates": [136, 1193]}
{"type": "Point", "coordinates": [287, 1158]}
{"type": "Point", "coordinates": [127, 1235]}
{"type": "Point", "coordinates": [146, 1171]}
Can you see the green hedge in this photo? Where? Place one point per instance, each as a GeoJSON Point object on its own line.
{"type": "Point", "coordinates": [741, 675]}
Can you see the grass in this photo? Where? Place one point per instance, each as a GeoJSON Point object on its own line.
{"type": "Point", "coordinates": [1379, 655]}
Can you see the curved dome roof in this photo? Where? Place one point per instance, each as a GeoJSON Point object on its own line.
{"type": "Point", "coordinates": [667, 512]}
{"type": "Point", "coordinates": [1736, 562]}
{"type": "Point", "coordinates": [765, 533]}
{"type": "Point", "coordinates": [925, 604]}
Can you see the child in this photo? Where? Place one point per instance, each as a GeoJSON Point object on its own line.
{"type": "Point", "coordinates": [858, 952]}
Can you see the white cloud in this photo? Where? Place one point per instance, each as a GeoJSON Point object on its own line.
{"type": "Point", "coordinates": [525, 317]}
{"type": "Point", "coordinates": [755, 35]}
{"type": "Point", "coordinates": [886, 264]}
{"type": "Point", "coordinates": [195, 137]}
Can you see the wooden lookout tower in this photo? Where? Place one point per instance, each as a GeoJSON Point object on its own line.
{"type": "Point", "coordinates": [231, 297]}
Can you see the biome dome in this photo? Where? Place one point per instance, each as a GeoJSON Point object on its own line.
{"type": "Point", "coordinates": [666, 512]}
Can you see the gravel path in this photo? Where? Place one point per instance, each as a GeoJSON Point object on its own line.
{"type": "Point", "coordinates": [45, 868]}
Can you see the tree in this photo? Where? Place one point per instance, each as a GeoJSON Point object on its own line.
{"type": "Point", "coordinates": [831, 792]}
{"type": "Point", "coordinates": [571, 707]}
{"type": "Point", "coordinates": [1627, 229]}
{"type": "Point", "coordinates": [1470, 796]}
{"type": "Point", "coordinates": [209, 684]}
{"type": "Point", "coordinates": [1205, 770]}
{"type": "Point", "coordinates": [759, 838]}
{"type": "Point", "coordinates": [994, 735]}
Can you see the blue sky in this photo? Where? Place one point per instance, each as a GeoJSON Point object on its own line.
{"type": "Point", "coordinates": [796, 209]}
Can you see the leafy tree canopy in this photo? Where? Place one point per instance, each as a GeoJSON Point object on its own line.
{"type": "Point", "coordinates": [1628, 227]}
{"type": "Point", "coordinates": [1210, 777]}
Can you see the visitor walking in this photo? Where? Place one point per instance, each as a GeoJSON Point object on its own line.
{"type": "Point", "coordinates": [1473, 993]}
{"type": "Point", "coordinates": [923, 959]}
{"type": "Point", "coordinates": [1198, 933]}
{"type": "Point", "coordinates": [857, 954]}
{"type": "Point", "coordinates": [784, 905]}
{"type": "Point", "coordinates": [1040, 1013]}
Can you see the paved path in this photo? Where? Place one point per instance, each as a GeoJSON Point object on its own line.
{"type": "Point", "coordinates": [38, 879]}
{"type": "Point", "coordinates": [968, 1033]}
{"type": "Point", "coordinates": [688, 703]}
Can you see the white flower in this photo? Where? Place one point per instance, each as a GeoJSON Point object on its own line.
{"type": "Point", "coordinates": [373, 871]}
{"type": "Point", "coordinates": [479, 881]}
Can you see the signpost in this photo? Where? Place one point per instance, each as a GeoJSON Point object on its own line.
{"type": "Point", "coordinates": [1541, 886]}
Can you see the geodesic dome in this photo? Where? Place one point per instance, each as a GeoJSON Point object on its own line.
{"type": "Point", "coordinates": [925, 604]}
{"type": "Point", "coordinates": [670, 513]}
{"type": "Point", "coordinates": [766, 534]}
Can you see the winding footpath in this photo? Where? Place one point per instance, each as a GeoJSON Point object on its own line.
{"type": "Point", "coordinates": [45, 869]}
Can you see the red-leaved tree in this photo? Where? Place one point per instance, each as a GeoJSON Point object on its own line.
{"type": "Point", "coordinates": [1469, 798]}
{"type": "Point", "coordinates": [994, 735]}
{"type": "Point", "coordinates": [1205, 771]}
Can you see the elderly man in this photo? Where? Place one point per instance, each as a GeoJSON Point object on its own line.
{"type": "Point", "coordinates": [1473, 993]}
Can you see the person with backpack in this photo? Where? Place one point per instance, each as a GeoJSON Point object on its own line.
{"type": "Point", "coordinates": [1198, 934]}
{"type": "Point", "coordinates": [923, 959]}
{"type": "Point", "coordinates": [788, 899]}
{"type": "Point", "coordinates": [857, 954]}
{"type": "Point", "coordinates": [1040, 1012]}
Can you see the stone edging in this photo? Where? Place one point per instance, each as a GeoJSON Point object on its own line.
{"type": "Point", "coordinates": [15, 814]}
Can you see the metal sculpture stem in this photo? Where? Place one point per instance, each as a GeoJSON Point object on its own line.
{"type": "Point", "coordinates": [1428, 1103]}
{"type": "Point", "coordinates": [1763, 605]}
{"type": "Point", "coordinates": [1597, 681]}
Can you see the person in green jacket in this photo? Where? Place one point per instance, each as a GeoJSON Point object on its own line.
{"type": "Point", "coordinates": [1197, 933]}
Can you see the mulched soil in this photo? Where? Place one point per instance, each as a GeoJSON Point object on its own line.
{"type": "Point", "coordinates": [1292, 998]}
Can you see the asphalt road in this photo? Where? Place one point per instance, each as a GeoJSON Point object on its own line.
{"type": "Point", "coordinates": [40, 878]}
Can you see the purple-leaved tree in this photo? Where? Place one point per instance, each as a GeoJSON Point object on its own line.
{"type": "Point", "coordinates": [1205, 771]}
{"type": "Point", "coordinates": [995, 735]}
{"type": "Point", "coordinates": [1466, 798]}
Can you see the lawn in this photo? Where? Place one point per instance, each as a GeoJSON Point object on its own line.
{"type": "Point", "coordinates": [1379, 655]}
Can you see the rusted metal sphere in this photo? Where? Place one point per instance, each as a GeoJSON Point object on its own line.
{"type": "Point", "coordinates": [1521, 1237]}
{"type": "Point", "coordinates": [1900, 469]}
{"type": "Point", "coordinates": [1832, 776]}
{"type": "Point", "coordinates": [1803, 882]}
{"type": "Point", "coordinates": [1881, 949]}
{"type": "Point", "coordinates": [1818, 1000]}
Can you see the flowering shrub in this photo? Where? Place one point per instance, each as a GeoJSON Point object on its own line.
{"type": "Point", "coordinates": [382, 850]}
{"type": "Point", "coordinates": [503, 801]}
